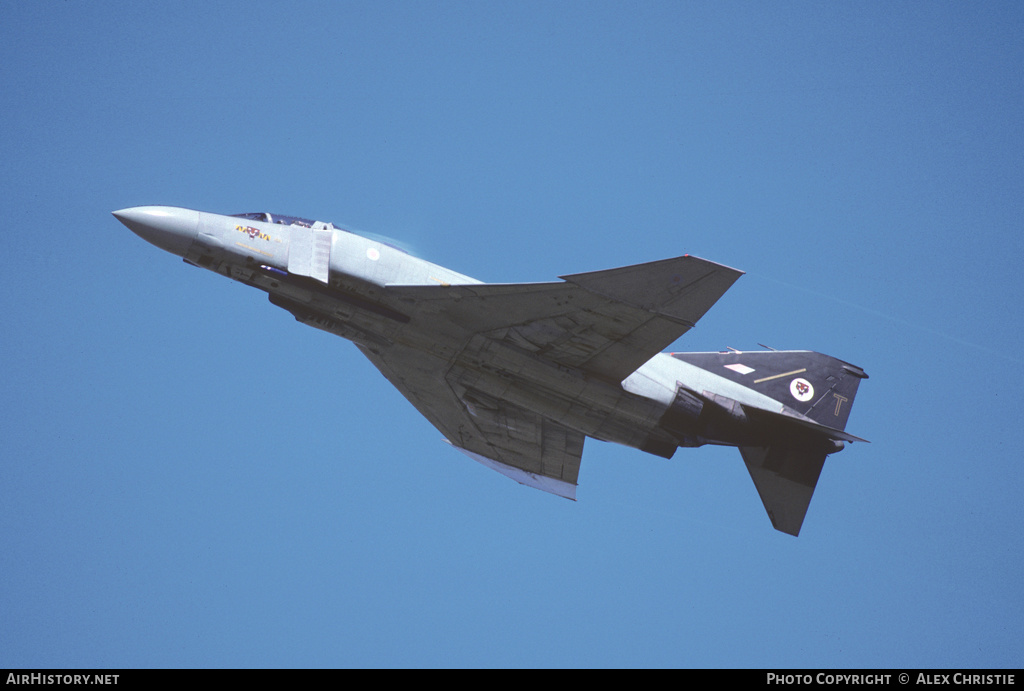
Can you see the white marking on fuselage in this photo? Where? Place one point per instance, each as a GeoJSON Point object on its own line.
{"type": "Point", "coordinates": [656, 379]}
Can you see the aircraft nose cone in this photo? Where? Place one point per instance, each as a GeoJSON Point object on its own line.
{"type": "Point", "coordinates": [167, 227]}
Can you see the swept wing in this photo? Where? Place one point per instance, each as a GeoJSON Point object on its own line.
{"type": "Point", "coordinates": [602, 324]}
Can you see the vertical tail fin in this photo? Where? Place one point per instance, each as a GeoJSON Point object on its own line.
{"type": "Point", "coordinates": [815, 385]}
{"type": "Point", "coordinates": [787, 452]}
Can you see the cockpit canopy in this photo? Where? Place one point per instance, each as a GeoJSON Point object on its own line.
{"type": "Point", "coordinates": [267, 217]}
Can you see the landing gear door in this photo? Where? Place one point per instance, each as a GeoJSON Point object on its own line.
{"type": "Point", "coordinates": [309, 252]}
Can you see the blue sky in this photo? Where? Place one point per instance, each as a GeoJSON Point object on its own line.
{"type": "Point", "coordinates": [191, 478]}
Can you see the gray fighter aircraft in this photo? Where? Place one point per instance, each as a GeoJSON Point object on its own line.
{"type": "Point", "coordinates": [516, 376]}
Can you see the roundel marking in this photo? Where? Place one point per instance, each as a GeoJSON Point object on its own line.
{"type": "Point", "coordinates": [372, 254]}
{"type": "Point", "coordinates": [801, 389]}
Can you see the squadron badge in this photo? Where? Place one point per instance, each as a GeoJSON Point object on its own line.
{"type": "Point", "coordinates": [801, 389]}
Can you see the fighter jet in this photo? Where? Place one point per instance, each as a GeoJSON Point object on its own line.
{"type": "Point", "coordinates": [517, 376]}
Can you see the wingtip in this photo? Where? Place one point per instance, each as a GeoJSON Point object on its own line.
{"type": "Point", "coordinates": [544, 483]}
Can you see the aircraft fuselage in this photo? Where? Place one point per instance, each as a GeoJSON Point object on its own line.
{"type": "Point", "coordinates": [386, 301]}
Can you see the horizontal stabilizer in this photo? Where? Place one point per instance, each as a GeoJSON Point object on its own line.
{"type": "Point", "coordinates": [785, 477]}
{"type": "Point", "coordinates": [808, 424]}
